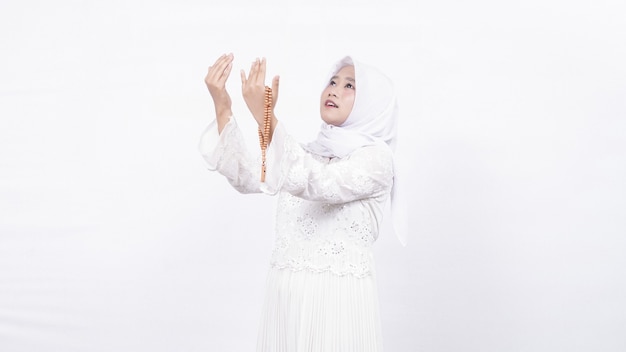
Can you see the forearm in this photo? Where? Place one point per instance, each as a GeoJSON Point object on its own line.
{"type": "Point", "coordinates": [222, 116]}
{"type": "Point", "coordinates": [216, 83]}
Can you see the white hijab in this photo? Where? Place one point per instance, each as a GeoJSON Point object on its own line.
{"type": "Point", "coordinates": [373, 120]}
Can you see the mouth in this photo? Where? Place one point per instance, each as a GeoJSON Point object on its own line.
{"type": "Point", "coordinates": [330, 104]}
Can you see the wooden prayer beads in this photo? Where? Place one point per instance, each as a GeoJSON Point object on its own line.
{"type": "Point", "coordinates": [264, 131]}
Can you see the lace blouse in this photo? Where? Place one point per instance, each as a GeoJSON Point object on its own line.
{"type": "Point", "coordinates": [329, 209]}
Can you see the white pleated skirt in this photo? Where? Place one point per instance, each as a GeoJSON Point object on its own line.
{"type": "Point", "coordinates": [306, 311]}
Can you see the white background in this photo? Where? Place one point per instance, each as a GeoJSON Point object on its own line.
{"type": "Point", "coordinates": [115, 237]}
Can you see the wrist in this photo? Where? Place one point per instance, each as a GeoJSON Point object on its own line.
{"type": "Point", "coordinates": [223, 114]}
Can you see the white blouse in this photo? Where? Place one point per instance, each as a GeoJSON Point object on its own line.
{"type": "Point", "coordinates": [329, 209]}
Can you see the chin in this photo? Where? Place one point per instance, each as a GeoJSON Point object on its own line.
{"type": "Point", "coordinates": [332, 121]}
{"type": "Point", "coordinates": [329, 121]}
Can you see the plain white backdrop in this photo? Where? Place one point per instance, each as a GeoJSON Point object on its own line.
{"type": "Point", "coordinates": [115, 237]}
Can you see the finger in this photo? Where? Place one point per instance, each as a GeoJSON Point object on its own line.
{"type": "Point", "coordinates": [218, 68]}
{"type": "Point", "coordinates": [219, 79]}
{"type": "Point", "coordinates": [228, 64]}
{"type": "Point", "coordinates": [261, 75]}
{"type": "Point", "coordinates": [275, 83]}
{"type": "Point", "coordinates": [217, 62]}
{"type": "Point", "coordinates": [226, 72]}
{"type": "Point", "coordinates": [257, 71]}
{"type": "Point", "coordinates": [242, 73]}
{"type": "Point", "coordinates": [252, 72]}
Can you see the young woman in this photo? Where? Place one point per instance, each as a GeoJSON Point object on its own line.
{"type": "Point", "coordinates": [321, 288]}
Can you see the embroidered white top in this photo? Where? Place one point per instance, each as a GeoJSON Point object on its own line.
{"type": "Point", "coordinates": [329, 209]}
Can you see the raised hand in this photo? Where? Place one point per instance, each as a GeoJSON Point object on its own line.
{"type": "Point", "coordinates": [216, 83]}
{"type": "Point", "coordinates": [253, 89]}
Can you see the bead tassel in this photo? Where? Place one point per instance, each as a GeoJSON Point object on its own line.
{"type": "Point", "coordinates": [264, 133]}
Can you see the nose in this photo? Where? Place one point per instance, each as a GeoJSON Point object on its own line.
{"type": "Point", "coordinates": [332, 93]}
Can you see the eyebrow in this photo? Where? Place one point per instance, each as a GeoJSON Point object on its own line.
{"type": "Point", "coordinates": [347, 78]}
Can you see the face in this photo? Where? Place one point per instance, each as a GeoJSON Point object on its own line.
{"type": "Point", "coordinates": [338, 97]}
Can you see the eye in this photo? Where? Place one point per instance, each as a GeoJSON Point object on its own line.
{"type": "Point", "coordinates": [332, 83]}
{"type": "Point", "coordinates": [350, 86]}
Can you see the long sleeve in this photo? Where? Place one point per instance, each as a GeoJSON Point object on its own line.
{"type": "Point", "coordinates": [366, 173]}
{"type": "Point", "coordinates": [226, 153]}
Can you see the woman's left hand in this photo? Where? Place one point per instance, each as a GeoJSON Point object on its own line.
{"type": "Point", "coordinates": [253, 89]}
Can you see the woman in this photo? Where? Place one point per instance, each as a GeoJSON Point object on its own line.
{"type": "Point", "coordinates": [321, 288]}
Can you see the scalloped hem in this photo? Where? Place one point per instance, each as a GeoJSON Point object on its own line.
{"type": "Point", "coordinates": [318, 270]}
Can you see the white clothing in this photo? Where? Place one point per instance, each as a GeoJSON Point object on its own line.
{"type": "Point", "coordinates": [373, 120]}
{"type": "Point", "coordinates": [321, 289]}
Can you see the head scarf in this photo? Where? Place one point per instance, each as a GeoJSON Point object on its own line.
{"type": "Point", "coordinates": [373, 120]}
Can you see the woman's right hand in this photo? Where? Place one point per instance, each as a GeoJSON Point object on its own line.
{"type": "Point", "coordinates": [216, 83]}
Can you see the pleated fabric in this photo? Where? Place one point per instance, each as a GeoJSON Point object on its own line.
{"type": "Point", "coordinates": [308, 311]}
